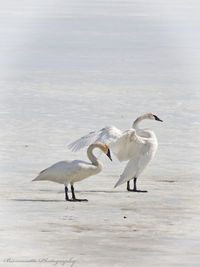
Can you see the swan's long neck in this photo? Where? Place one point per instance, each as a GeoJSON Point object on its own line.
{"type": "Point", "coordinates": [138, 120]}
{"type": "Point", "coordinates": [92, 157]}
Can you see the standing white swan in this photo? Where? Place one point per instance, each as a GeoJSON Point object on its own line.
{"type": "Point", "coordinates": [70, 172]}
{"type": "Point", "coordinates": [136, 145]}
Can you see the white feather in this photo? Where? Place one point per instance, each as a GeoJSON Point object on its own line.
{"type": "Point", "coordinates": [144, 150]}
{"type": "Point", "coordinates": [65, 172]}
{"type": "Point", "coordinates": [130, 143]}
{"type": "Point", "coordinates": [70, 172]}
{"type": "Point", "coordinates": [136, 145]}
{"type": "Point", "coordinates": [105, 135]}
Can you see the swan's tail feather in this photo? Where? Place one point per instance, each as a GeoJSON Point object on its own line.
{"type": "Point", "coordinates": [41, 176]}
{"type": "Point", "coordinates": [35, 179]}
{"type": "Point", "coordinates": [38, 178]}
{"type": "Point", "coordinates": [119, 182]}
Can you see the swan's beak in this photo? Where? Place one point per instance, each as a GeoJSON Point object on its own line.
{"type": "Point", "coordinates": [108, 154]}
{"type": "Point", "coordinates": [156, 118]}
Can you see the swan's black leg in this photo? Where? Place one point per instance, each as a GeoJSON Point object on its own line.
{"type": "Point", "coordinates": [135, 187]}
{"type": "Point", "coordinates": [128, 186]}
{"type": "Point", "coordinates": [66, 194]}
{"type": "Point", "coordinates": [74, 197]}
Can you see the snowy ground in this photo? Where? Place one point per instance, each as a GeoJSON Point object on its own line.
{"type": "Point", "coordinates": [115, 228]}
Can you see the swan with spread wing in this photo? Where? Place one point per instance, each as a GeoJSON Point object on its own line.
{"type": "Point", "coordinates": [136, 145]}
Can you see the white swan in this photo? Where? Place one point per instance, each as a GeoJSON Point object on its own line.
{"type": "Point", "coordinates": [136, 145]}
{"type": "Point", "coordinates": [70, 172]}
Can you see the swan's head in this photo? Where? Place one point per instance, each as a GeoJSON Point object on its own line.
{"type": "Point", "coordinates": [153, 117]}
{"type": "Point", "coordinates": [103, 147]}
{"type": "Point", "coordinates": [107, 151]}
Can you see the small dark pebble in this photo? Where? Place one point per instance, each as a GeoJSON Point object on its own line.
{"type": "Point", "coordinates": [125, 217]}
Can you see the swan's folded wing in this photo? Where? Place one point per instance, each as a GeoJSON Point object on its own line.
{"type": "Point", "coordinates": [105, 135]}
{"type": "Point", "coordinates": [135, 165]}
{"type": "Point", "coordinates": [127, 145]}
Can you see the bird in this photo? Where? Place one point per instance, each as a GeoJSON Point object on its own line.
{"type": "Point", "coordinates": [72, 171]}
{"type": "Point", "coordinates": [136, 145]}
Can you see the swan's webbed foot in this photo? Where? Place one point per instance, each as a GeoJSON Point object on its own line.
{"type": "Point", "coordinates": [135, 187]}
{"type": "Point", "coordinates": [140, 191]}
{"type": "Point", "coordinates": [130, 190]}
{"type": "Point", "coordinates": [75, 200]}
{"type": "Point", "coordinates": [74, 197]}
{"type": "Point", "coordinates": [78, 199]}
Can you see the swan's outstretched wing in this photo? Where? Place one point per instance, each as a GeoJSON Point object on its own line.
{"type": "Point", "coordinates": [105, 135]}
{"type": "Point", "coordinates": [127, 145]}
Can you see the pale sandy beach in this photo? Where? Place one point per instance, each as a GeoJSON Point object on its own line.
{"type": "Point", "coordinates": [71, 67]}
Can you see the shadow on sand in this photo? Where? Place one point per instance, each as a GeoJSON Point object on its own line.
{"type": "Point", "coordinates": [100, 191]}
{"type": "Point", "coordinates": [38, 200]}
{"type": "Point", "coordinates": [55, 200]}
